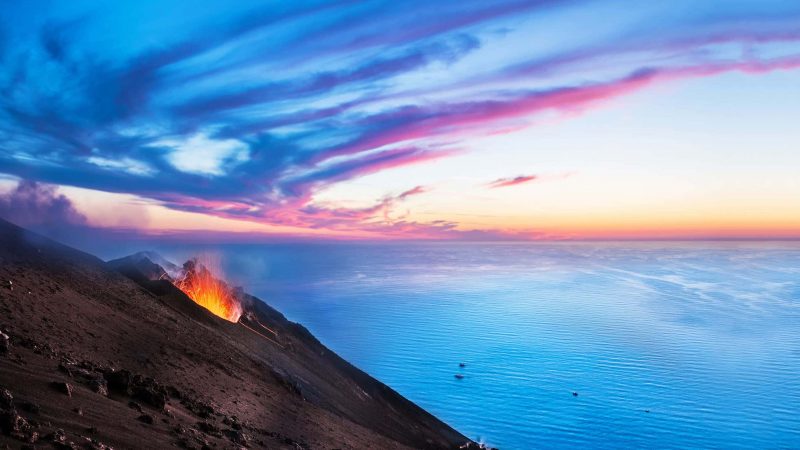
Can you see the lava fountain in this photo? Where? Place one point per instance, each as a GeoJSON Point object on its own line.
{"type": "Point", "coordinates": [197, 281]}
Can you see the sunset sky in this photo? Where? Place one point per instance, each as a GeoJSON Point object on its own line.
{"type": "Point", "coordinates": [549, 119]}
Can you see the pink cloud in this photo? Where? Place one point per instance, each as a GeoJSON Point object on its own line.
{"type": "Point", "coordinates": [505, 182]}
{"type": "Point", "coordinates": [415, 191]}
{"type": "Point", "coordinates": [482, 117]}
{"type": "Point", "coordinates": [447, 120]}
{"type": "Point", "coordinates": [295, 207]}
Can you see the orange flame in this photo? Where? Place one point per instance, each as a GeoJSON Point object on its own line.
{"type": "Point", "coordinates": [213, 294]}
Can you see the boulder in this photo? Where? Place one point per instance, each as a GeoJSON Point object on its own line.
{"type": "Point", "coordinates": [134, 405]}
{"type": "Point", "coordinates": [119, 381]}
{"type": "Point", "coordinates": [63, 387]}
{"type": "Point", "coordinates": [59, 440]}
{"type": "Point", "coordinates": [5, 343]}
{"type": "Point", "coordinates": [6, 399]}
{"type": "Point", "coordinates": [58, 437]}
{"type": "Point", "coordinates": [99, 385]}
{"type": "Point", "coordinates": [202, 410]}
{"type": "Point", "coordinates": [238, 437]}
{"type": "Point", "coordinates": [232, 422]}
{"type": "Point", "coordinates": [14, 425]}
{"type": "Point", "coordinates": [94, 444]}
{"type": "Point", "coordinates": [209, 428]}
{"type": "Point", "coordinates": [148, 391]}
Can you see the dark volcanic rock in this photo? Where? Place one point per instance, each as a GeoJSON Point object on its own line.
{"type": "Point", "coordinates": [74, 369]}
{"type": "Point", "coordinates": [94, 444]}
{"type": "Point", "coordinates": [6, 399]}
{"type": "Point", "coordinates": [30, 407]}
{"type": "Point", "coordinates": [209, 428]}
{"type": "Point", "coordinates": [134, 405]}
{"type": "Point", "coordinates": [295, 444]}
{"type": "Point", "coordinates": [148, 391]}
{"type": "Point", "coordinates": [99, 384]}
{"type": "Point", "coordinates": [118, 381]}
{"type": "Point", "coordinates": [58, 437]}
{"type": "Point", "coordinates": [238, 437]}
{"type": "Point", "coordinates": [14, 425]}
{"type": "Point", "coordinates": [173, 392]}
{"type": "Point", "coordinates": [147, 265]}
{"type": "Point", "coordinates": [232, 422]}
{"type": "Point", "coordinates": [63, 387]}
{"type": "Point", "coordinates": [202, 410]}
{"type": "Point", "coordinates": [139, 387]}
{"type": "Point", "coordinates": [11, 423]}
{"type": "Point", "coordinates": [5, 343]}
{"type": "Point", "coordinates": [59, 440]}
{"type": "Point", "coordinates": [146, 418]}
{"type": "Point", "coordinates": [475, 446]}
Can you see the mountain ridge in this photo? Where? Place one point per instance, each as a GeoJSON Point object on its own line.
{"type": "Point", "coordinates": [197, 380]}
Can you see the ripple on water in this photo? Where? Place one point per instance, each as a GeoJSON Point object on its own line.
{"type": "Point", "coordinates": [705, 336]}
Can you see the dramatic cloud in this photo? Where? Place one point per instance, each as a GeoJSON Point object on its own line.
{"type": "Point", "coordinates": [40, 207]}
{"type": "Point", "coordinates": [250, 112]}
{"type": "Point", "coordinates": [505, 182]}
{"type": "Point", "coordinates": [378, 218]}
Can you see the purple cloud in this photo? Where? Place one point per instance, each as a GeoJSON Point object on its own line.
{"type": "Point", "coordinates": [318, 94]}
{"type": "Point", "coordinates": [506, 182]}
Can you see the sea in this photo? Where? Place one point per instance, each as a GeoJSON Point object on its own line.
{"type": "Point", "coordinates": [563, 345]}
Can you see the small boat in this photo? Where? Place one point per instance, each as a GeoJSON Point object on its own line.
{"type": "Point", "coordinates": [459, 376]}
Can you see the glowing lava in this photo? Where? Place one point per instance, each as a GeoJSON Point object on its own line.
{"type": "Point", "coordinates": [199, 283]}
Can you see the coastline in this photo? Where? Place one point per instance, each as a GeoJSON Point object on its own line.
{"type": "Point", "coordinates": [146, 364]}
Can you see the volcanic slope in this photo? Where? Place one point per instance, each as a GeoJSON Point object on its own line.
{"type": "Point", "coordinates": [97, 353]}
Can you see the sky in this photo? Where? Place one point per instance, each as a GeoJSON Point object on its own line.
{"type": "Point", "coordinates": [473, 120]}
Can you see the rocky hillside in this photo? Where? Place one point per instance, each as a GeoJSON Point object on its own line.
{"type": "Point", "coordinates": [98, 355]}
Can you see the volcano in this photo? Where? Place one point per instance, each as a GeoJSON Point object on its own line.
{"type": "Point", "coordinates": [198, 282]}
{"type": "Point", "coordinates": [122, 354]}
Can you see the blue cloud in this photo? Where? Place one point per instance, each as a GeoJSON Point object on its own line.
{"type": "Point", "coordinates": [251, 104]}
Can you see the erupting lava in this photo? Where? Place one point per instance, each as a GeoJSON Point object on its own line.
{"type": "Point", "coordinates": [197, 281]}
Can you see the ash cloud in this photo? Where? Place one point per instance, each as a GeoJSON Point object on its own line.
{"type": "Point", "coordinates": [40, 207]}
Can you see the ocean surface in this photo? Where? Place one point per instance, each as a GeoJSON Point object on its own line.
{"type": "Point", "coordinates": [668, 345]}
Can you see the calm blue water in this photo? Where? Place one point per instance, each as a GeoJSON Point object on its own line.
{"type": "Point", "coordinates": [704, 336]}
